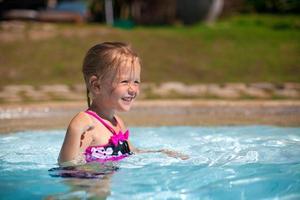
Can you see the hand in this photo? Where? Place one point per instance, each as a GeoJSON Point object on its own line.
{"type": "Point", "coordinates": [170, 153]}
{"type": "Point", "coordinates": [175, 154]}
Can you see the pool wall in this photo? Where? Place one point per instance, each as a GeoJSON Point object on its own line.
{"type": "Point", "coordinates": [16, 117]}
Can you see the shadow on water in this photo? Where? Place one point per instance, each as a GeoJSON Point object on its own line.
{"type": "Point", "coordinates": [88, 181]}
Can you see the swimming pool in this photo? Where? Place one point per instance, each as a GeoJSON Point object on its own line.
{"type": "Point", "coordinates": [229, 162]}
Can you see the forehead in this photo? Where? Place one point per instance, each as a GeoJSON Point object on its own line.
{"type": "Point", "coordinates": [129, 71]}
{"type": "Point", "coordinates": [129, 67]}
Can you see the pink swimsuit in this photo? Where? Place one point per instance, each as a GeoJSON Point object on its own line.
{"type": "Point", "coordinates": [117, 147]}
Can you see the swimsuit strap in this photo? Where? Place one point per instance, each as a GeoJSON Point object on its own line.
{"type": "Point", "coordinates": [101, 120]}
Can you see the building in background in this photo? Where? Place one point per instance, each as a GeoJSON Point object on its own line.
{"type": "Point", "coordinates": [45, 10]}
{"type": "Point", "coordinates": [145, 12]}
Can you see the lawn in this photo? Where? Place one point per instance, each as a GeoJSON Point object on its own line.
{"type": "Point", "coordinates": [243, 48]}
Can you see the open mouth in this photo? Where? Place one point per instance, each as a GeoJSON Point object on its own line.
{"type": "Point", "coordinates": [127, 99]}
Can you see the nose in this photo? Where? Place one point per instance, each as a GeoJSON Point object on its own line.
{"type": "Point", "coordinates": [132, 89]}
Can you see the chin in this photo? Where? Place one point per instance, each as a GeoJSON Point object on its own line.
{"type": "Point", "coordinates": [125, 106]}
{"type": "Point", "coordinates": [124, 109]}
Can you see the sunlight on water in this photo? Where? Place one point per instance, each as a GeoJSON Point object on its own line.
{"type": "Point", "coordinates": [251, 162]}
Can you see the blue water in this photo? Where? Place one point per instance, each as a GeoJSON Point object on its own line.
{"type": "Point", "coordinates": [238, 162]}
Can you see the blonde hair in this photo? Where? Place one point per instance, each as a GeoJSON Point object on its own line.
{"type": "Point", "coordinates": [106, 59]}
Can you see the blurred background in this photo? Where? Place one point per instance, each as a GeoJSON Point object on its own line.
{"type": "Point", "coordinates": [189, 48]}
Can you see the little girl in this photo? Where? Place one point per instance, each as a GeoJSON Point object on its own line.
{"type": "Point", "coordinates": [111, 72]}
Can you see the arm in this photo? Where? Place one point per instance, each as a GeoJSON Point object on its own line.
{"type": "Point", "coordinates": [131, 147]}
{"type": "Point", "coordinates": [174, 154]}
{"type": "Point", "coordinates": [169, 153]}
{"type": "Point", "coordinates": [71, 147]}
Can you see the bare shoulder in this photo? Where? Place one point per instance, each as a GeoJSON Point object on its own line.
{"type": "Point", "coordinates": [71, 145]}
{"type": "Point", "coordinates": [80, 123]}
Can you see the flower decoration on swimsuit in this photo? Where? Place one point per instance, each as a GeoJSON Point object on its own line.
{"type": "Point", "coordinates": [98, 152]}
{"type": "Point", "coordinates": [119, 137]}
{"type": "Point", "coordinates": [109, 151]}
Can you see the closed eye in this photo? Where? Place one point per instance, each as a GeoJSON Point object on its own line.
{"type": "Point", "coordinates": [124, 81]}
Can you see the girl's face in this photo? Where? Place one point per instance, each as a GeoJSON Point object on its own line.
{"type": "Point", "coordinates": [125, 88]}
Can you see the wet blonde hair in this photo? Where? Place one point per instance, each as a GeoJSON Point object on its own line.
{"type": "Point", "coordinates": [106, 59]}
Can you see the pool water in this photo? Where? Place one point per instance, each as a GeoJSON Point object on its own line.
{"type": "Point", "coordinates": [233, 162]}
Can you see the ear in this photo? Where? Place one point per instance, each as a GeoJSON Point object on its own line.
{"type": "Point", "coordinates": [94, 83]}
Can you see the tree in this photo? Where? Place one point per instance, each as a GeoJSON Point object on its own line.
{"type": "Point", "coordinates": [214, 11]}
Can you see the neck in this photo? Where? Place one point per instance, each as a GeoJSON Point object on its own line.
{"type": "Point", "coordinates": [107, 114]}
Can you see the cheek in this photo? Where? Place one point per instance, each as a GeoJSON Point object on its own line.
{"type": "Point", "coordinates": [119, 91]}
{"type": "Point", "coordinates": [106, 95]}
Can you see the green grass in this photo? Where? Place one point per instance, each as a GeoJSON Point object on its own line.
{"type": "Point", "coordinates": [251, 48]}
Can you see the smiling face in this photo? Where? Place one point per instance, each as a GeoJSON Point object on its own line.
{"type": "Point", "coordinates": [120, 93]}
{"type": "Point", "coordinates": [126, 87]}
{"type": "Point", "coordinates": [112, 75]}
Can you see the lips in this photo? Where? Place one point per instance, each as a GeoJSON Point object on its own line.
{"type": "Point", "coordinates": [127, 99]}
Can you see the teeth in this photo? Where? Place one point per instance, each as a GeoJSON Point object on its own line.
{"type": "Point", "coordinates": [127, 98]}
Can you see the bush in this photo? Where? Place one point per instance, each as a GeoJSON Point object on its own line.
{"type": "Point", "coordinates": [275, 6]}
